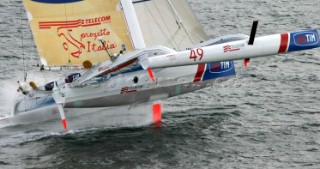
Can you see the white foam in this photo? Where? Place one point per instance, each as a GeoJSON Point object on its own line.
{"type": "Point", "coordinates": [8, 91]}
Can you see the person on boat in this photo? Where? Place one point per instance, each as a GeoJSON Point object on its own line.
{"type": "Point", "coordinates": [23, 88]}
{"type": "Point", "coordinates": [42, 68]}
{"type": "Point", "coordinates": [120, 53]}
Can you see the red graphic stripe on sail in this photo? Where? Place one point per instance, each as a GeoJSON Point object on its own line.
{"type": "Point", "coordinates": [200, 71]}
{"type": "Point", "coordinates": [284, 43]}
{"type": "Point", "coordinates": [61, 22]}
{"type": "Point", "coordinates": [74, 23]}
{"type": "Point", "coordinates": [66, 25]}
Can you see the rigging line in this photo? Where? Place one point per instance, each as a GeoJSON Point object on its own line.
{"type": "Point", "coordinates": [22, 44]}
{"type": "Point", "coordinates": [66, 19]}
{"type": "Point", "coordinates": [29, 55]}
{"type": "Point", "coordinates": [76, 31]}
{"type": "Point", "coordinates": [178, 19]}
{"type": "Point", "coordinates": [183, 38]}
{"type": "Point", "coordinates": [173, 36]}
{"type": "Point", "coordinates": [144, 7]}
{"type": "Point", "coordinates": [166, 25]}
{"type": "Point", "coordinates": [32, 49]}
{"type": "Point", "coordinates": [159, 26]}
{"type": "Point", "coordinates": [100, 55]}
{"type": "Point", "coordinates": [150, 24]}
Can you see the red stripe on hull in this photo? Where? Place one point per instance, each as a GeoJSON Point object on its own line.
{"type": "Point", "coordinates": [121, 66]}
{"type": "Point", "coordinates": [200, 71]}
{"type": "Point", "coordinates": [284, 43]}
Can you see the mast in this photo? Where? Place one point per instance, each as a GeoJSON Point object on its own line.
{"type": "Point", "coordinates": [133, 24]}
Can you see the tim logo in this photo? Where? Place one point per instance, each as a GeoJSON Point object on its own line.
{"type": "Point", "coordinates": [219, 67]}
{"type": "Point", "coordinates": [305, 39]}
{"type": "Point", "coordinates": [56, 1]}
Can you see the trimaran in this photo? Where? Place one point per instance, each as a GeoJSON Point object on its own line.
{"type": "Point", "coordinates": [135, 52]}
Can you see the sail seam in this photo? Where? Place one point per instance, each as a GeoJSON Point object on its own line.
{"type": "Point", "coordinates": [159, 25]}
{"type": "Point", "coordinates": [179, 21]}
{"type": "Point", "coordinates": [141, 1]}
{"type": "Point", "coordinates": [163, 20]}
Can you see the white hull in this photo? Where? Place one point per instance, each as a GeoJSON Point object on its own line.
{"type": "Point", "coordinates": [134, 114]}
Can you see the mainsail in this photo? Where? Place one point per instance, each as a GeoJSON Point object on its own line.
{"type": "Point", "coordinates": [67, 32]}
{"type": "Point", "coordinates": [171, 23]}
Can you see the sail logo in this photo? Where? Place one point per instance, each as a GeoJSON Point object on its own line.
{"type": "Point", "coordinates": [305, 39]}
{"type": "Point", "coordinates": [76, 23]}
{"type": "Point", "coordinates": [85, 41]}
{"type": "Point", "coordinates": [56, 1]}
{"type": "Point", "coordinates": [232, 48]}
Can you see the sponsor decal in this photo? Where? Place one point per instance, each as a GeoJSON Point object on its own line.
{"type": "Point", "coordinates": [86, 41]}
{"type": "Point", "coordinates": [126, 90]}
{"type": "Point", "coordinates": [100, 69]}
{"type": "Point", "coordinates": [218, 70]}
{"type": "Point", "coordinates": [214, 70]}
{"type": "Point", "coordinates": [215, 66]}
{"type": "Point", "coordinates": [232, 48]}
{"type": "Point", "coordinates": [220, 67]}
{"type": "Point", "coordinates": [171, 57]}
{"type": "Point", "coordinates": [305, 39]}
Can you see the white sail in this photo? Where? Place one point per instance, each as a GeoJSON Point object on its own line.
{"type": "Point", "coordinates": [171, 23]}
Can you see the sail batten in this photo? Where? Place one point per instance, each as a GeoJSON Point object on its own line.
{"type": "Point", "coordinates": [67, 34]}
